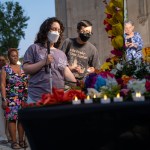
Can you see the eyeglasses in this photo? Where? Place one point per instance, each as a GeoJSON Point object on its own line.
{"type": "Point", "coordinates": [55, 29]}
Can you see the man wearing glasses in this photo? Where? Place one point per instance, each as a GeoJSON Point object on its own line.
{"type": "Point", "coordinates": [82, 55]}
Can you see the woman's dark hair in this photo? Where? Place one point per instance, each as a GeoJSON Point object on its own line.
{"type": "Point", "coordinates": [45, 28]}
{"type": "Point", "coordinates": [83, 23]}
{"type": "Point", "coordinates": [2, 61]}
{"type": "Point", "coordinates": [10, 50]}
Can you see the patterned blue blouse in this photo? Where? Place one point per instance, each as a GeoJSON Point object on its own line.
{"type": "Point", "coordinates": [133, 52]}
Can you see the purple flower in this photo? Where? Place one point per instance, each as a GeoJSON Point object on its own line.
{"type": "Point", "coordinates": [90, 80]}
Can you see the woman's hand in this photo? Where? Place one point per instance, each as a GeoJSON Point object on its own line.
{"type": "Point", "coordinates": [50, 59]}
{"type": "Point", "coordinates": [130, 45]}
{"type": "Point", "coordinates": [127, 44]}
{"type": "Point", "coordinates": [4, 104]}
{"type": "Point", "coordinates": [133, 45]}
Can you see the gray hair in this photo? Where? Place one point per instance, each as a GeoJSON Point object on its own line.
{"type": "Point", "coordinates": [129, 22]}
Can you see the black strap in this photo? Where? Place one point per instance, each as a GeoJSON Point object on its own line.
{"type": "Point", "coordinates": [68, 48]}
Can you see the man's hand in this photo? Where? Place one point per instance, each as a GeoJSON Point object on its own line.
{"type": "Point", "coordinates": [91, 69]}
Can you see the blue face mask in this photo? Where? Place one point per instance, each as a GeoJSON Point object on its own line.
{"type": "Point", "coordinates": [84, 36]}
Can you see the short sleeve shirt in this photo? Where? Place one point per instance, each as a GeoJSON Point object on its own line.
{"type": "Point", "coordinates": [39, 83]}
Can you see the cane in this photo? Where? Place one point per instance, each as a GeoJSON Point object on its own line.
{"type": "Point", "coordinates": [49, 67]}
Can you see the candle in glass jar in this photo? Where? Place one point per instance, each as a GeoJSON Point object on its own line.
{"type": "Point", "coordinates": [76, 101]}
{"type": "Point", "coordinates": [88, 100]}
{"type": "Point", "coordinates": [118, 98]}
{"type": "Point", "coordinates": [105, 100]}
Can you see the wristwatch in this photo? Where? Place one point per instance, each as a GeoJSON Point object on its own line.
{"type": "Point", "coordinates": [4, 99]}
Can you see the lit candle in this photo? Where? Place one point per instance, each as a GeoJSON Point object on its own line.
{"type": "Point", "coordinates": [76, 101]}
{"type": "Point", "coordinates": [138, 97]}
{"type": "Point", "coordinates": [105, 100]}
{"type": "Point", "coordinates": [94, 96]}
{"type": "Point", "coordinates": [88, 100]}
{"type": "Point", "coordinates": [95, 99]}
{"type": "Point", "coordinates": [118, 98]}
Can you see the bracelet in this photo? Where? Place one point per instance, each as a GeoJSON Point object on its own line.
{"type": "Point", "coordinates": [4, 99]}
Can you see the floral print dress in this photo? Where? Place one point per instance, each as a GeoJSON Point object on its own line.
{"type": "Point", "coordinates": [132, 52]}
{"type": "Point", "coordinates": [16, 92]}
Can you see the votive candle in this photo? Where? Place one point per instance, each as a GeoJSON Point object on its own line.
{"type": "Point", "coordinates": [138, 97]}
{"type": "Point", "coordinates": [76, 101]}
{"type": "Point", "coordinates": [118, 98]}
{"type": "Point", "coordinates": [105, 100]}
{"type": "Point", "coordinates": [88, 100]}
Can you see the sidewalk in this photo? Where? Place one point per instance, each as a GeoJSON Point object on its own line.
{"type": "Point", "coordinates": [7, 147]}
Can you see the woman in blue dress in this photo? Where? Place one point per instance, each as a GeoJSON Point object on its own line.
{"type": "Point", "coordinates": [133, 42]}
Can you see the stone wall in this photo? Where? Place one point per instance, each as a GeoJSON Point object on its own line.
{"type": "Point", "coordinates": [72, 11]}
{"type": "Point", "coordinates": [138, 11]}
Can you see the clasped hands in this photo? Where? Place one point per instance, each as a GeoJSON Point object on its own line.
{"type": "Point", "coordinates": [127, 44]}
{"type": "Point", "coordinates": [80, 70]}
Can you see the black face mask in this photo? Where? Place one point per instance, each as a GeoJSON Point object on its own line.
{"type": "Point", "coordinates": [84, 36]}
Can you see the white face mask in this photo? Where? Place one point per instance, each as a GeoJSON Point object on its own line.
{"type": "Point", "coordinates": [53, 36]}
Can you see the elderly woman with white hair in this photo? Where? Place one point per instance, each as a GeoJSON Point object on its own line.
{"type": "Point", "coordinates": [133, 42]}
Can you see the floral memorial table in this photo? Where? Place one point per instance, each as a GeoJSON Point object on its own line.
{"type": "Point", "coordinates": [110, 109]}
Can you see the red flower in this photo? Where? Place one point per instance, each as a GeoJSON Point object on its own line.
{"type": "Point", "coordinates": [109, 16]}
{"type": "Point", "coordinates": [118, 53]}
{"type": "Point", "coordinates": [58, 96]}
{"type": "Point", "coordinates": [70, 95]}
{"type": "Point", "coordinates": [105, 22]}
{"type": "Point", "coordinates": [108, 27]}
{"type": "Point", "coordinates": [106, 74]}
{"type": "Point", "coordinates": [147, 85]}
{"type": "Point", "coordinates": [7, 110]}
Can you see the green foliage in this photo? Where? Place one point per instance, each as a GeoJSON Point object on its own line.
{"type": "Point", "coordinates": [110, 91]}
{"type": "Point", "coordinates": [12, 23]}
{"type": "Point", "coordinates": [137, 68]}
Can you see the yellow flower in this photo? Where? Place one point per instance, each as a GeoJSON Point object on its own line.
{"type": "Point", "coordinates": [114, 59]}
{"type": "Point", "coordinates": [112, 20]}
{"type": "Point", "coordinates": [110, 9]}
{"type": "Point", "coordinates": [119, 16]}
{"type": "Point", "coordinates": [126, 79]}
{"type": "Point", "coordinates": [118, 3]}
{"type": "Point", "coordinates": [117, 29]}
{"type": "Point", "coordinates": [117, 42]}
{"type": "Point", "coordinates": [106, 66]}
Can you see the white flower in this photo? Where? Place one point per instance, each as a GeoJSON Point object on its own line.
{"type": "Point", "coordinates": [111, 82]}
{"type": "Point", "coordinates": [119, 66]}
{"type": "Point", "coordinates": [92, 92]}
{"type": "Point", "coordinates": [113, 71]}
{"type": "Point", "coordinates": [137, 85]}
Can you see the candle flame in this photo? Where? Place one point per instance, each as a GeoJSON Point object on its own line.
{"type": "Point", "coordinates": [138, 94]}
{"type": "Point", "coordinates": [94, 96]}
{"type": "Point", "coordinates": [76, 99]}
{"type": "Point", "coordinates": [105, 97]}
{"type": "Point", "coordinates": [118, 95]}
{"type": "Point", "coordinates": [88, 97]}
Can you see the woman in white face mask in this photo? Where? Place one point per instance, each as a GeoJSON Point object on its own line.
{"type": "Point", "coordinates": [37, 58]}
